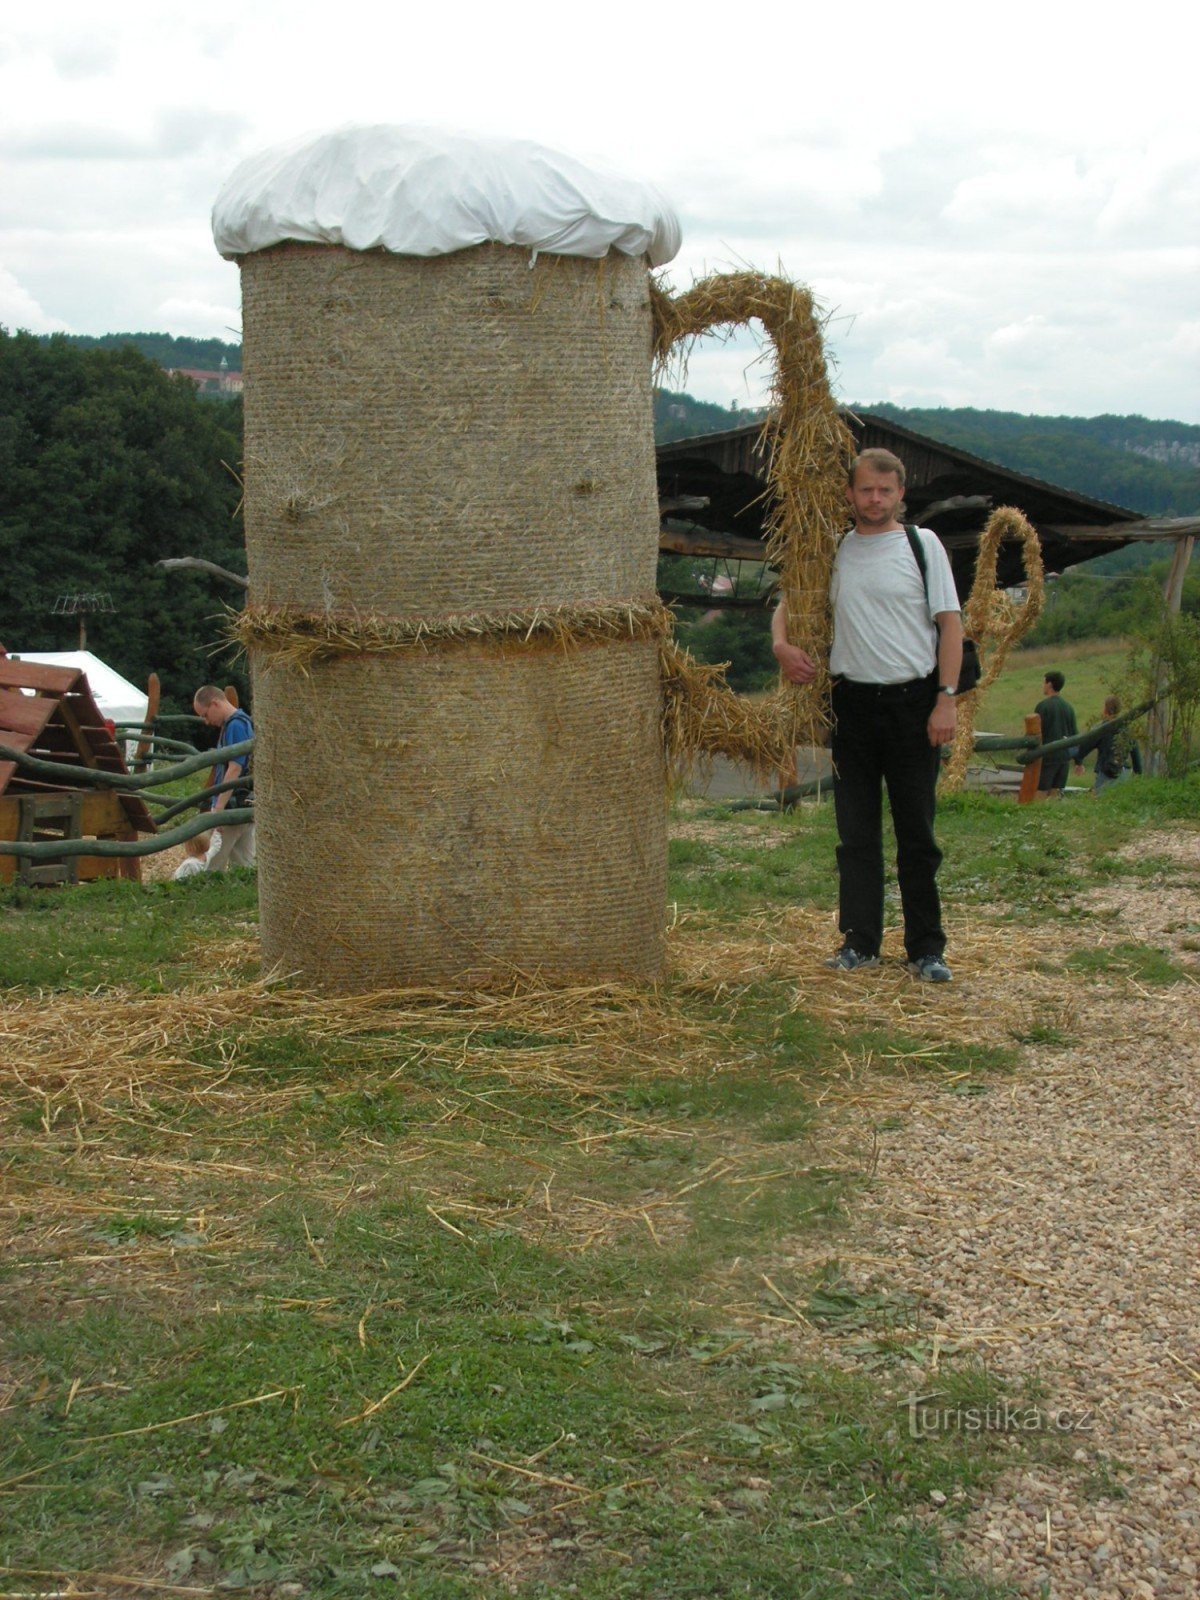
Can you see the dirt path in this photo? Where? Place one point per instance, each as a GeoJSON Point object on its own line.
{"type": "Point", "coordinates": [1051, 1225]}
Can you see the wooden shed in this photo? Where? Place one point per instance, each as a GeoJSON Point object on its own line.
{"type": "Point", "coordinates": [716, 483]}
{"type": "Point", "coordinates": [50, 713]}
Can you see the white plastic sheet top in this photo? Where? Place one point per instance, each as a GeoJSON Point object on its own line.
{"type": "Point", "coordinates": [423, 192]}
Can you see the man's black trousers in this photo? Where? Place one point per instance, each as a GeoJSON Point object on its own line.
{"type": "Point", "coordinates": [881, 737]}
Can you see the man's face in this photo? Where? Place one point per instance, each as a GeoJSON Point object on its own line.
{"type": "Point", "coordinates": [1047, 686]}
{"type": "Point", "coordinates": [211, 713]}
{"type": "Point", "coordinates": [875, 497]}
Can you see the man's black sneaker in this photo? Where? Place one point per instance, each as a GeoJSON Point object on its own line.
{"type": "Point", "coordinates": [848, 960]}
{"type": "Point", "coordinates": [930, 969]}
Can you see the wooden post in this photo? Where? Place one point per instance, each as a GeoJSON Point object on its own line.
{"type": "Point", "coordinates": [1158, 732]}
{"type": "Point", "coordinates": [153, 692]}
{"type": "Point", "coordinates": [1033, 772]}
{"type": "Point", "coordinates": [1180, 561]}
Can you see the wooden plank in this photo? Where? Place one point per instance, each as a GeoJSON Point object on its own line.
{"type": "Point", "coordinates": [89, 868]}
{"type": "Point", "coordinates": [79, 739]}
{"type": "Point", "coordinates": [1125, 532]}
{"type": "Point", "coordinates": [103, 816]}
{"type": "Point", "coordinates": [730, 545]}
{"type": "Point", "coordinates": [17, 674]}
{"type": "Point", "coordinates": [1033, 772]}
{"type": "Point", "coordinates": [23, 713]}
{"type": "Point", "coordinates": [18, 741]}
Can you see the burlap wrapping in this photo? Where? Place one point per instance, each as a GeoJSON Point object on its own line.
{"type": "Point", "coordinates": [428, 437]}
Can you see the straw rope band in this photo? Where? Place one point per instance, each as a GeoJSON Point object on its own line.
{"type": "Point", "coordinates": [703, 716]}
{"type": "Point", "coordinates": [995, 622]}
{"type": "Point", "coordinates": [286, 635]}
{"type": "Point", "coordinates": [808, 449]}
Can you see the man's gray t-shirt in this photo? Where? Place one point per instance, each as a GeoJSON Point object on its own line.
{"type": "Point", "coordinates": [883, 629]}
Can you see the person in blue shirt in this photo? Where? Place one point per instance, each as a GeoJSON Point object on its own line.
{"type": "Point", "coordinates": [232, 846]}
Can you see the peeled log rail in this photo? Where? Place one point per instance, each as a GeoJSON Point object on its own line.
{"type": "Point", "coordinates": [55, 849]}
{"type": "Point", "coordinates": [783, 798]}
{"type": "Point", "coordinates": [159, 741]}
{"type": "Point", "coordinates": [199, 798]}
{"type": "Point", "coordinates": [1072, 739]}
{"type": "Point", "coordinates": [199, 564]}
{"type": "Point", "coordinates": [89, 777]}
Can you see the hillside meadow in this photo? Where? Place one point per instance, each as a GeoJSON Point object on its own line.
{"type": "Point", "coordinates": [529, 1294]}
{"type": "Point", "coordinates": [1093, 669]}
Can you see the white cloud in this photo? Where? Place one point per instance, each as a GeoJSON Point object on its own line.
{"type": "Point", "coordinates": [198, 319]}
{"type": "Point", "coordinates": [954, 191]}
{"type": "Point", "coordinates": [19, 309]}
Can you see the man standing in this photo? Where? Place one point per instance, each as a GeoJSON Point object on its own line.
{"type": "Point", "coordinates": [231, 846]}
{"type": "Point", "coordinates": [1058, 722]}
{"type": "Point", "coordinates": [894, 664]}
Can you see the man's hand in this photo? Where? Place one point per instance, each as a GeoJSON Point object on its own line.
{"type": "Point", "coordinates": [943, 720]}
{"type": "Point", "coordinates": [796, 665]}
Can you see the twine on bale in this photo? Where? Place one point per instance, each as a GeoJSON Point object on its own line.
{"type": "Point", "coordinates": [808, 449]}
{"type": "Point", "coordinates": [995, 622]}
{"type": "Point", "coordinates": [700, 712]}
{"type": "Point", "coordinates": [287, 635]}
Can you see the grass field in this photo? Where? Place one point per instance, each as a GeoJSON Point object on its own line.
{"type": "Point", "coordinates": [1093, 669]}
{"type": "Point", "coordinates": [495, 1296]}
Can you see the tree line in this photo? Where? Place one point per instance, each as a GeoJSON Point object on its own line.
{"type": "Point", "coordinates": [106, 466]}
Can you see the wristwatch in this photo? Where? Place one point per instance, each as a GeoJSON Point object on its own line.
{"type": "Point", "coordinates": [948, 688]}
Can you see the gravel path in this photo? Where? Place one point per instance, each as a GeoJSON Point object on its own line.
{"type": "Point", "coordinates": [1050, 1226]}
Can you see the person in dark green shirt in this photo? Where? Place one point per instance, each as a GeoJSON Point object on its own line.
{"type": "Point", "coordinates": [1058, 722]}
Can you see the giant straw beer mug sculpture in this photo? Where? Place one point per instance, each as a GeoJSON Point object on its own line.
{"type": "Point", "coordinates": [451, 529]}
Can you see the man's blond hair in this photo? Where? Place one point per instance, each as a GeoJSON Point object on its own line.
{"type": "Point", "coordinates": [882, 460]}
{"type": "Point", "coordinates": [206, 694]}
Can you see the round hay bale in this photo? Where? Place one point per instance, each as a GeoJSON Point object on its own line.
{"type": "Point", "coordinates": [428, 437]}
{"type": "Point", "coordinates": [501, 818]}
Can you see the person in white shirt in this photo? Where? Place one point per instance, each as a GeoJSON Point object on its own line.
{"type": "Point", "coordinates": [894, 665]}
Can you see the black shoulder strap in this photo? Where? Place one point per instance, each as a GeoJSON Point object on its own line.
{"type": "Point", "coordinates": [914, 544]}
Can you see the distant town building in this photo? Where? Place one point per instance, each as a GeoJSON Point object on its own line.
{"type": "Point", "coordinates": [224, 384]}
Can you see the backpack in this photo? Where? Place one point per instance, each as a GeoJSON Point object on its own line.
{"type": "Point", "coordinates": [971, 670]}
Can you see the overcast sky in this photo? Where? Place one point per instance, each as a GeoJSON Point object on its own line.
{"type": "Point", "coordinates": [997, 206]}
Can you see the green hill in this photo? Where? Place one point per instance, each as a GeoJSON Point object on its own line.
{"type": "Point", "coordinates": [205, 355]}
{"type": "Point", "coordinates": [1150, 466]}
{"type": "Point", "coordinates": [1147, 465]}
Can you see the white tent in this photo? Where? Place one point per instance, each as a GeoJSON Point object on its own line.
{"type": "Point", "coordinates": [114, 695]}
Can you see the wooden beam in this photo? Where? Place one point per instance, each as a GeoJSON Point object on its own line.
{"type": "Point", "coordinates": [957, 502]}
{"type": "Point", "coordinates": [733, 546]}
{"type": "Point", "coordinates": [719, 602]}
{"type": "Point", "coordinates": [1143, 528]}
